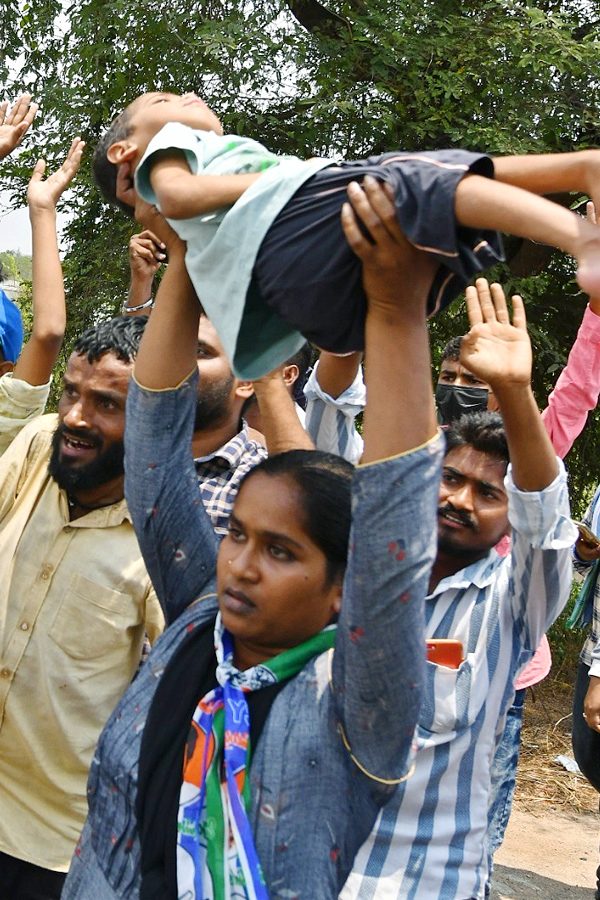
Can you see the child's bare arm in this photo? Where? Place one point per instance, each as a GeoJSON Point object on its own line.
{"type": "Point", "coordinates": [181, 194]}
{"type": "Point", "coordinates": [550, 173]}
{"type": "Point", "coordinates": [39, 355]}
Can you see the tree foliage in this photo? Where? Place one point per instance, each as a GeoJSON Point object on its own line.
{"type": "Point", "coordinates": [349, 77]}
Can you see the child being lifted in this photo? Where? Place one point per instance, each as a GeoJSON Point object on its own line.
{"type": "Point", "coordinates": [265, 247]}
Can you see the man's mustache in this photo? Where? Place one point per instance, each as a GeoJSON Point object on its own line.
{"type": "Point", "coordinates": [457, 514]}
{"type": "Point", "coordinates": [78, 434]}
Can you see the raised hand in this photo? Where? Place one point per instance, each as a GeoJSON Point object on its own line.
{"type": "Point", "coordinates": [15, 122]}
{"type": "Point", "coordinates": [496, 350]}
{"type": "Point", "coordinates": [146, 254]}
{"type": "Point", "coordinates": [45, 194]}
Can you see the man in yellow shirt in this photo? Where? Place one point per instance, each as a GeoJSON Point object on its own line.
{"type": "Point", "coordinates": [75, 604]}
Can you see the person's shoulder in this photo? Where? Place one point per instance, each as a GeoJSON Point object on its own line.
{"type": "Point", "coordinates": [37, 437]}
{"type": "Point", "coordinates": [38, 433]}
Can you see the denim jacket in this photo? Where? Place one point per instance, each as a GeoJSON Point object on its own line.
{"type": "Point", "coordinates": [339, 736]}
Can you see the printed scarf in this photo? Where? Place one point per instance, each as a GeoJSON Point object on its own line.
{"type": "Point", "coordinates": [216, 856]}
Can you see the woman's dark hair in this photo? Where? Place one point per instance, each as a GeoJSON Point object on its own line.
{"type": "Point", "coordinates": [105, 172]}
{"type": "Point", "coordinates": [324, 481]}
{"type": "Point", "coordinates": [121, 336]}
{"type": "Point", "coordinates": [484, 431]}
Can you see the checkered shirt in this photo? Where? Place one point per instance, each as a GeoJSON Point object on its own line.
{"type": "Point", "coordinates": [220, 474]}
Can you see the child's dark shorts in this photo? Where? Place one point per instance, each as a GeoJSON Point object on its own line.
{"type": "Point", "coordinates": [306, 271]}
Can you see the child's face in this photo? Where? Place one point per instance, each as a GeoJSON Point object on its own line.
{"type": "Point", "coordinates": [150, 112]}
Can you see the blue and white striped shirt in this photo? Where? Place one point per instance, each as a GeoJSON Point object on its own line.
{"type": "Point", "coordinates": [429, 840]}
{"type": "Point", "coordinates": [329, 422]}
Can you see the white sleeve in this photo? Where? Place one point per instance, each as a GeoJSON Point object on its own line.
{"type": "Point", "coordinates": [330, 423]}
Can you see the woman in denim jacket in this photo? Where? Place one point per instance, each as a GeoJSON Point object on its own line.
{"type": "Point", "coordinates": [335, 736]}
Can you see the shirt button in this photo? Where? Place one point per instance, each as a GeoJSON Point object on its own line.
{"type": "Point", "coordinates": [5, 673]}
{"type": "Point", "coordinates": [24, 626]}
{"type": "Point", "coordinates": [46, 570]}
{"type": "Point", "coordinates": [67, 529]}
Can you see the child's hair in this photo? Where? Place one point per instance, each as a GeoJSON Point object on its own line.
{"type": "Point", "coordinates": [105, 172]}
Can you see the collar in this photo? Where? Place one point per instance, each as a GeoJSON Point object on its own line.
{"type": "Point", "coordinates": [232, 452]}
{"type": "Point", "coordinates": [479, 574]}
{"type": "Point", "coordinates": [105, 517]}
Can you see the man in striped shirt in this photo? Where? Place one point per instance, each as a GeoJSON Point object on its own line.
{"type": "Point", "coordinates": [429, 841]}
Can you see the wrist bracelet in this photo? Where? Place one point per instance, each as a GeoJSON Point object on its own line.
{"type": "Point", "coordinates": [145, 305]}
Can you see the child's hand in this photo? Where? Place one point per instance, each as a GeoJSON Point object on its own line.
{"type": "Point", "coordinates": [495, 350]}
{"type": "Point", "coordinates": [45, 194]}
{"type": "Point", "coordinates": [14, 124]}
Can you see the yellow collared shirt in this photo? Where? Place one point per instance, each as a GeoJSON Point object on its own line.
{"type": "Point", "coordinates": [75, 603]}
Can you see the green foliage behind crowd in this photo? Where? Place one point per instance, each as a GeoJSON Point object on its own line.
{"type": "Point", "coordinates": [348, 78]}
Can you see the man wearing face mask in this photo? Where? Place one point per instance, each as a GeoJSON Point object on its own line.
{"type": "Point", "coordinates": [459, 391]}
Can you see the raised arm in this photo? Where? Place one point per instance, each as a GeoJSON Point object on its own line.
{"type": "Point", "coordinates": [380, 650]}
{"type": "Point", "coordinates": [176, 536]}
{"type": "Point", "coordinates": [15, 122]}
{"type": "Point", "coordinates": [146, 256]}
{"type": "Point", "coordinates": [38, 358]}
{"type": "Point", "coordinates": [578, 387]}
{"type": "Point", "coordinates": [335, 395]}
{"type": "Point", "coordinates": [500, 353]}
{"type": "Point", "coordinates": [280, 424]}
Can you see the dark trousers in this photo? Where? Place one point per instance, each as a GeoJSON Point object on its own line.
{"type": "Point", "coordinates": [586, 741]}
{"type": "Point", "coordinates": [20, 880]}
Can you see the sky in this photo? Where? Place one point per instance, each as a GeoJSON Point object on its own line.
{"type": "Point", "coordinates": [15, 230]}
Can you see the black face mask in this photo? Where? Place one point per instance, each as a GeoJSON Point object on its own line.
{"type": "Point", "coordinates": [453, 402]}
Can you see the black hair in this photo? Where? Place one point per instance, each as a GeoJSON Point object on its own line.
{"type": "Point", "coordinates": [452, 349]}
{"type": "Point", "coordinates": [121, 336]}
{"type": "Point", "coordinates": [324, 481]}
{"type": "Point", "coordinates": [484, 431]}
{"type": "Point", "coordinates": [105, 172]}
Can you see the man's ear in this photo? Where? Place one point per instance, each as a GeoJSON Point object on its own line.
{"type": "Point", "coordinates": [290, 374]}
{"type": "Point", "coordinates": [244, 389]}
{"type": "Point", "coordinates": [121, 152]}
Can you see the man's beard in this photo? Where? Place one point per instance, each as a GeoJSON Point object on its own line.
{"type": "Point", "coordinates": [74, 478]}
{"type": "Point", "coordinates": [447, 543]}
{"type": "Point", "coordinates": [212, 405]}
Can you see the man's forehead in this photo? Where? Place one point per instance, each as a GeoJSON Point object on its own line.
{"type": "Point", "coordinates": [108, 368]}
{"type": "Point", "coordinates": [455, 366]}
{"type": "Point", "coordinates": [476, 465]}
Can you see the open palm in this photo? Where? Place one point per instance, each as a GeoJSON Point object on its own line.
{"type": "Point", "coordinates": [44, 194]}
{"type": "Point", "coordinates": [494, 349]}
